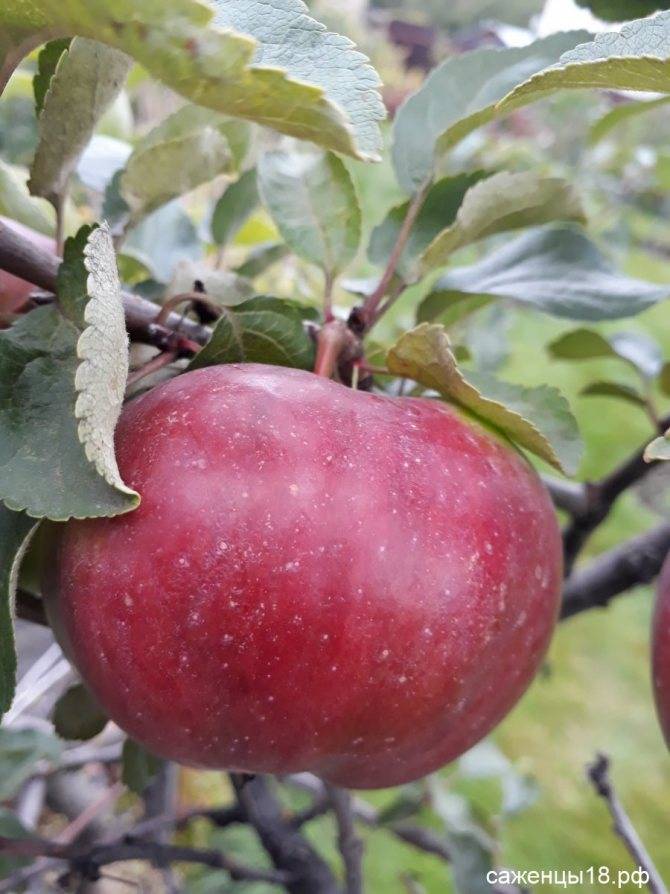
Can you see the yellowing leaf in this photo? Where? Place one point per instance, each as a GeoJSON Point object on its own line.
{"type": "Point", "coordinates": [538, 419]}
{"type": "Point", "coordinates": [62, 378]}
{"type": "Point", "coordinates": [308, 82]}
{"type": "Point", "coordinates": [87, 78]}
{"type": "Point", "coordinates": [102, 348]}
{"type": "Point", "coordinates": [635, 58]}
{"type": "Point", "coordinates": [504, 202]}
{"type": "Point", "coordinates": [15, 532]}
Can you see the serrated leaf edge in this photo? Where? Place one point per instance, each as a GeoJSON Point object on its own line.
{"type": "Point", "coordinates": [109, 469]}
{"type": "Point", "coordinates": [444, 346]}
{"type": "Point", "coordinates": [12, 585]}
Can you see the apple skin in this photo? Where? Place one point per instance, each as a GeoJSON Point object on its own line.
{"type": "Point", "coordinates": [660, 650]}
{"type": "Point", "coordinates": [317, 578]}
{"type": "Point", "coordinates": [14, 292]}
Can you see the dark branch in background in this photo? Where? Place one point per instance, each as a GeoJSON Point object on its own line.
{"type": "Point", "coordinates": [637, 561]}
{"type": "Point", "coordinates": [87, 863]}
{"type": "Point", "coordinates": [598, 774]}
{"type": "Point", "coordinates": [570, 496]}
{"type": "Point", "coordinates": [20, 257]}
{"type": "Point", "coordinates": [289, 850]}
{"type": "Point", "coordinates": [422, 838]}
{"type": "Point", "coordinates": [599, 498]}
{"type": "Point", "coordinates": [350, 845]}
{"type": "Point", "coordinates": [30, 608]}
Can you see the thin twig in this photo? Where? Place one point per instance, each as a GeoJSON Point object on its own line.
{"type": "Point", "coordinates": [88, 862]}
{"type": "Point", "coordinates": [372, 303]}
{"type": "Point", "coordinates": [194, 298]}
{"type": "Point", "coordinates": [598, 774]}
{"type": "Point", "coordinates": [71, 832]}
{"type": "Point", "coordinates": [165, 358]}
{"type": "Point", "coordinates": [349, 843]}
{"type": "Point", "coordinates": [391, 299]}
{"type": "Point", "coordinates": [19, 256]}
{"type": "Point", "coordinates": [419, 837]}
{"type": "Point", "coordinates": [570, 496]}
{"type": "Point", "coordinates": [287, 848]}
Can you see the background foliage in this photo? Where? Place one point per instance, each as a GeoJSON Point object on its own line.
{"type": "Point", "coordinates": [179, 187]}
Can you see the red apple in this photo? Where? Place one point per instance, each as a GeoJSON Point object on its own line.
{"type": "Point", "coordinates": [14, 292]}
{"type": "Point", "coordinates": [317, 578]}
{"type": "Point", "coordinates": [661, 650]}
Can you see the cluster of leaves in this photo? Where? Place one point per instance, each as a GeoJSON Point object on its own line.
{"type": "Point", "coordinates": [63, 367]}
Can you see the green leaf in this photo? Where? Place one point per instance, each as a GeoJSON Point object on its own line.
{"type": "Point", "coordinates": [471, 847]}
{"type": "Point", "coordinates": [77, 716]}
{"type": "Point", "coordinates": [162, 240]}
{"type": "Point", "coordinates": [72, 277]}
{"type": "Point", "coordinates": [438, 211]}
{"type": "Point", "coordinates": [620, 10]}
{"type": "Point", "coordinates": [460, 96]}
{"type": "Point", "coordinates": [580, 344]}
{"type": "Point", "coordinates": [17, 203]}
{"type": "Point", "coordinates": [191, 147]}
{"type": "Point", "coordinates": [15, 531]}
{"type": "Point", "coordinates": [289, 38]}
{"type": "Point", "coordinates": [504, 202]}
{"type": "Point", "coordinates": [11, 827]}
{"type": "Point", "coordinates": [409, 801]}
{"type": "Point", "coordinates": [87, 78]}
{"type": "Point", "coordinates": [62, 382]}
{"type": "Point", "coordinates": [659, 449]}
{"type": "Point", "coordinates": [486, 760]}
{"type": "Point", "coordinates": [557, 270]}
{"type": "Point", "coordinates": [313, 202]}
{"type": "Point", "coordinates": [20, 750]}
{"type": "Point", "coordinates": [664, 379]}
{"type": "Point", "coordinates": [449, 308]}
{"type": "Point", "coordinates": [619, 390]}
{"type": "Point", "coordinates": [260, 258]}
{"type": "Point", "coordinates": [265, 60]}
{"type": "Point", "coordinates": [538, 419]}
{"type": "Point", "coordinates": [262, 330]}
{"type": "Point", "coordinates": [46, 66]}
{"type": "Point", "coordinates": [635, 58]}
{"type": "Point", "coordinates": [639, 350]}
{"type": "Point", "coordinates": [621, 114]}
{"type": "Point", "coordinates": [234, 207]}
{"type": "Point", "coordinates": [139, 767]}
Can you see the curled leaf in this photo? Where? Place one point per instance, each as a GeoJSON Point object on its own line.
{"type": "Point", "coordinates": [538, 419]}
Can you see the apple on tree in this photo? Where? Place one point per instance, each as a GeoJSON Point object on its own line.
{"type": "Point", "coordinates": [661, 651]}
{"type": "Point", "coordinates": [316, 579]}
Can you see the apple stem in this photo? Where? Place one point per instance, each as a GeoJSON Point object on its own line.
{"type": "Point", "coordinates": [330, 342]}
{"type": "Point", "coordinates": [355, 373]}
